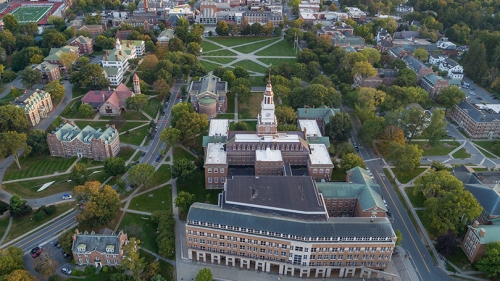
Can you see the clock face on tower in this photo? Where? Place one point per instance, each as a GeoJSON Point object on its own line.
{"type": "Point", "coordinates": [268, 114]}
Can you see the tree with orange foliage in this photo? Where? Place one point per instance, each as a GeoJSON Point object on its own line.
{"type": "Point", "coordinates": [101, 204]}
{"type": "Point", "coordinates": [390, 134]}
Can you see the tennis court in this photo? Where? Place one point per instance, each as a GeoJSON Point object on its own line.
{"type": "Point", "coordinates": [31, 13]}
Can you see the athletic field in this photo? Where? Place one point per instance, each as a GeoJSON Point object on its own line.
{"type": "Point", "coordinates": [26, 14]}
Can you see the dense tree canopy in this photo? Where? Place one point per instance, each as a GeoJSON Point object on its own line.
{"type": "Point", "coordinates": [101, 203]}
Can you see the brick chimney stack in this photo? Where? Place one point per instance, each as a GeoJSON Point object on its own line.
{"type": "Point", "coordinates": [482, 232]}
{"type": "Point", "coordinates": [475, 224]}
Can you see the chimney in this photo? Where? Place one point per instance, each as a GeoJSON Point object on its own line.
{"type": "Point", "coordinates": [107, 125]}
{"type": "Point", "coordinates": [475, 224]}
{"type": "Point", "coordinates": [305, 132]}
{"type": "Point", "coordinates": [120, 52]}
{"type": "Point", "coordinates": [482, 232]}
{"type": "Point", "coordinates": [113, 126]}
{"type": "Point", "coordinates": [116, 57]}
{"type": "Point", "coordinates": [103, 98]}
{"type": "Point", "coordinates": [107, 53]}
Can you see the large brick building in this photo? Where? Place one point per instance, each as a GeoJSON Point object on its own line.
{"type": "Point", "coordinates": [478, 237]}
{"type": "Point", "coordinates": [69, 141]}
{"type": "Point", "coordinates": [36, 104]}
{"type": "Point", "coordinates": [50, 72]}
{"type": "Point", "coordinates": [478, 121]}
{"type": "Point", "coordinates": [266, 151]}
{"type": "Point", "coordinates": [111, 102]}
{"type": "Point", "coordinates": [282, 224]}
{"type": "Point", "coordinates": [208, 95]}
{"type": "Point", "coordinates": [84, 44]}
{"type": "Point", "coordinates": [102, 249]}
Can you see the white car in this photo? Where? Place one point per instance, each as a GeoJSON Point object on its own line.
{"type": "Point", "coordinates": [385, 202]}
{"type": "Point", "coordinates": [66, 196]}
{"type": "Point", "coordinates": [65, 270]}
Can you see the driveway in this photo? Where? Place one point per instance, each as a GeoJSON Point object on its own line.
{"type": "Point", "coordinates": [478, 91]}
{"type": "Point", "coordinates": [55, 254]}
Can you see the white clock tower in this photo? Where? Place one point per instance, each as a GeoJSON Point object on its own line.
{"type": "Point", "coordinates": [267, 123]}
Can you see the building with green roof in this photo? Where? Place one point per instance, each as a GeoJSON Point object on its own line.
{"type": "Point", "coordinates": [477, 238]}
{"type": "Point", "coordinates": [36, 104]}
{"type": "Point", "coordinates": [321, 114]}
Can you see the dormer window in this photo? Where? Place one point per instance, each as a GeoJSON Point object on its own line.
{"type": "Point", "coordinates": [110, 248]}
{"type": "Point", "coordinates": [81, 247]}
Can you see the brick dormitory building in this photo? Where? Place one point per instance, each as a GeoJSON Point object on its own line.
{"type": "Point", "coordinates": [277, 211]}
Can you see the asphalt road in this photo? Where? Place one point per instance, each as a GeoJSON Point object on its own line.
{"type": "Point", "coordinates": [412, 243]}
{"type": "Point", "coordinates": [46, 234]}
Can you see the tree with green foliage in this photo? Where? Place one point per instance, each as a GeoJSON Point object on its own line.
{"type": "Point", "coordinates": [406, 157]}
{"type": "Point", "coordinates": [240, 72]}
{"type": "Point", "coordinates": [222, 28]}
{"type": "Point", "coordinates": [191, 124]}
{"type": "Point", "coordinates": [436, 130]}
{"type": "Point", "coordinates": [86, 110]}
{"type": "Point", "coordinates": [100, 203]}
{"type": "Point", "coordinates": [11, 259]}
{"type": "Point", "coordinates": [350, 161]}
{"type": "Point", "coordinates": [171, 136]}
{"type": "Point", "coordinates": [339, 127]}
{"type": "Point", "coordinates": [229, 77]}
{"type": "Point", "coordinates": [406, 78]}
{"type": "Point", "coordinates": [399, 237]}
{"type": "Point", "coordinates": [45, 264]}
{"type": "Point", "coordinates": [14, 144]}
{"type": "Point", "coordinates": [488, 264]}
{"type": "Point", "coordinates": [449, 96]}
{"type": "Point", "coordinates": [66, 241]}
{"type": "Point", "coordinates": [421, 54]}
{"type": "Point", "coordinates": [37, 140]}
{"type": "Point", "coordinates": [19, 207]}
{"type": "Point", "coordinates": [114, 166]}
{"type": "Point", "coordinates": [104, 43]}
{"type": "Point", "coordinates": [131, 258]}
{"type": "Point", "coordinates": [30, 77]}
{"type": "Point", "coordinates": [184, 200]}
{"type": "Point", "coordinates": [182, 170]}
{"type": "Point", "coordinates": [121, 186]}
{"type": "Point", "coordinates": [137, 102]}
{"type": "Point", "coordinates": [176, 44]}
{"type": "Point", "coordinates": [242, 92]}
{"type": "Point", "coordinates": [90, 75]}
{"type": "Point", "coordinates": [204, 275]}
{"type": "Point", "coordinates": [10, 23]}
{"type": "Point", "coordinates": [240, 126]}
{"type": "Point", "coordinates": [141, 174]}
{"type": "Point", "coordinates": [55, 89]}
{"type": "Point", "coordinates": [162, 88]}
{"type": "Point", "coordinates": [13, 118]}
{"type": "Point", "coordinates": [194, 48]}
{"type": "Point", "coordinates": [371, 129]}
{"type": "Point", "coordinates": [79, 173]}
{"type": "Point", "coordinates": [416, 121]}
{"type": "Point", "coordinates": [218, 71]}
{"type": "Point", "coordinates": [285, 115]}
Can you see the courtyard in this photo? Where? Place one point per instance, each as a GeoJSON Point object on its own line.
{"type": "Point", "coordinates": [255, 54]}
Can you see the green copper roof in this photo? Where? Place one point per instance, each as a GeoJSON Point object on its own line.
{"type": "Point", "coordinates": [492, 233]}
{"type": "Point", "coordinates": [213, 139]}
{"type": "Point", "coordinates": [320, 112]}
{"type": "Point", "coordinates": [319, 140]}
{"type": "Point", "coordinates": [207, 100]}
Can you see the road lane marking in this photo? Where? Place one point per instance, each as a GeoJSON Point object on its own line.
{"type": "Point", "coordinates": [406, 226]}
{"type": "Point", "coordinates": [38, 235]}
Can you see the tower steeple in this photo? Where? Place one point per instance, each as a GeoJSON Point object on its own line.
{"type": "Point", "coordinates": [137, 85]}
{"type": "Point", "coordinates": [267, 122]}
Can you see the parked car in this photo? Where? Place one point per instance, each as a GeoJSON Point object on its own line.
{"type": "Point", "coordinates": [34, 250]}
{"type": "Point", "coordinates": [66, 196]}
{"type": "Point", "coordinates": [472, 93]}
{"type": "Point", "coordinates": [178, 95]}
{"type": "Point", "coordinates": [143, 153]}
{"type": "Point", "coordinates": [66, 270]}
{"type": "Point", "coordinates": [37, 253]}
{"type": "Point", "coordinates": [158, 158]}
{"type": "Point", "coordinates": [56, 244]}
{"type": "Point", "coordinates": [385, 202]}
{"type": "Point", "coordinates": [479, 98]}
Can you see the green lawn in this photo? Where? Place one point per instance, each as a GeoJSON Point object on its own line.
{"type": "Point", "coordinates": [250, 109]}
{"type": "Point", "coordinates": [208, 65]}
{"type": "Point", "coordinates": [238, 40]}
{"type": "Point", "coordinates": [182, 153]}
{"type": "Point", "coordinates": [251, 66]}
{"type": "Point", "coordinates": [152, 108]}
{"type": "Point", "coordinates": [278, 62]}
{"type": "Point", "coordinates": [406, 177]}
{"type": "Point", "coordinates": [338, 175]}
{"type": "Point", "coordinates": [433, 233]}
{"type": "Point", "coordinates": [161, 176]}
{"type": "Point", "coordinates": [207, 46]}
{"type": "Point", "coordinates": [158, 199]}
{"type": "Point", "coordinates": [257, 81]}
{"type": "Point", "coordinates": [221, 52]}
{"type": "Point", "coordinates": [102, 124]}
{"type": "Point", "coordinates": [28, 189]}
{"type": "Point", "coordinates": [486, 145]}
{"type": "Point", "coordinates": [197, 145]}
{"type": "Point", "coordinates": [140, 227]}
{"type": "Point", "coordinates": [461, 153]}
{"type": "Point", "coordinates": [282, 48]}
{"type": "Point", "coordinates": [460, 260]}
{"type": "Point", "coordinates": [167, 271]}
{"type": "Point", "coordinates": [225, 116]}
{"type": "Point", "coordinates": [131, 115]}
{"type": "Point", "coordinates": [437, 150]}
{"type": "Point", "coordinates": [77, 91]}
{"type": "Point", "coordinates": [27, 223]}
{"type": "Point", "coordinates": [416, 200]}
{"type": "Point", "coordinates": [252, 125]}
{"type": "Point", "coordinates": [197, 187]}
{"type": "Point", "coordinates": [135, 137]}
{"type": "Point", "coordinates": [3, 225]}
{"type": "Point", "coordinates": [220, 60]}
{"type": "Point", "coordinates": [126, 152]}
{"type": "Point", "coordinates": [38, 166]}
{"type": "Point", "coordinates": [71, 111]}
{"type": "Point", "coordinates": [255, 46]}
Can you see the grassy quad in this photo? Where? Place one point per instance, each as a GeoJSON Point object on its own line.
{"type": "Point", "coordinates": [102, 124]}
{"type": "Point", "coordinates": [140, 227]}
{"type": "Point", "coordinates": [207, 46]}
{"type": "Point", "coordinates": [273, 61]}
{"type": "Point", "coordinates": [219, 60]}
{"type": "Point", "coordinates": [254, 46]}
{"type": "Point", "coordinates": [282, 48]}
{"type": "Point", "coordinates": [38, 166]}
{"type": "Point", "coordinates": [209, 66]}
{"type": "Point", "coordinates": [438, 150]}
{"type": "Point", "coordinates": [220, 52]}
{"type": "Point", "coordinates": [251, 66]}
{"type": "Point", "coordinates": [406, 177]}
{"type": "Point", "coordinates": [237, 40]}
{"type": "Point", "coordinates": [251, 108]}
{"type": "Point", "coordinates": [180, 152]}
{"type": "Point", "coordinates": [155, 200]}
{"type": "Point", "coordinates": [416, 200]}
{"type": "Point", "coordinates": [135, 137]}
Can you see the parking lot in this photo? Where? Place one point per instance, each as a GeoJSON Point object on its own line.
{"type": "Point", "coordinates": [480, 94]}
{"type": "Point", "coordinates": [55, 253]}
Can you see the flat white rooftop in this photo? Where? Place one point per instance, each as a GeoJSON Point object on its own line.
{"type": "Point", "coordinates": [255, 138]}
{"type": "Point", "coordinates": [268, 155]}
{"type": "Point", "coordinates": [216, 154]}
{"type": "Point", "coordinates": [493, 106]}
{"type": "Point", "coordinates": [319, 155]}
{"type": "Point", "coordinates": [311, 126]}
{"type": "Point", "coordinates": [218, 127]}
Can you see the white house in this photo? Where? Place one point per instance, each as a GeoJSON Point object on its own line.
{"type": "Point", "coordinates": [455, 70]}
{"type": "Point", "coordinates": [115, 62]}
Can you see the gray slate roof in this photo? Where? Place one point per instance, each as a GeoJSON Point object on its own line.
{"type": "Point", "coordinates": [487, 195]}
{"type": "Point", "coordinates": [97, 242]}
{"type": "Point", "coordinates": [336, 227]}
{"type": "Point", "coordinates": [477, 115]}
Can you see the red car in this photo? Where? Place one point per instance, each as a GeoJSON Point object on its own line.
{"type": "Point", "coordinates": [37, 253]}
{"type": "Point", "coordinates": [178, 95]}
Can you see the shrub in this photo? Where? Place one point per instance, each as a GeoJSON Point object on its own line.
{"type": "Point", "coordinates": [105, 268]}
{"type": "Point", "coordinates": [89, 270]}
{"type": "Point", "coordinates": [50, 210]}
{"type": "Point", "coordinates": [77, 272]}
{"type": "Point", "coordinates": [40, 216]}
